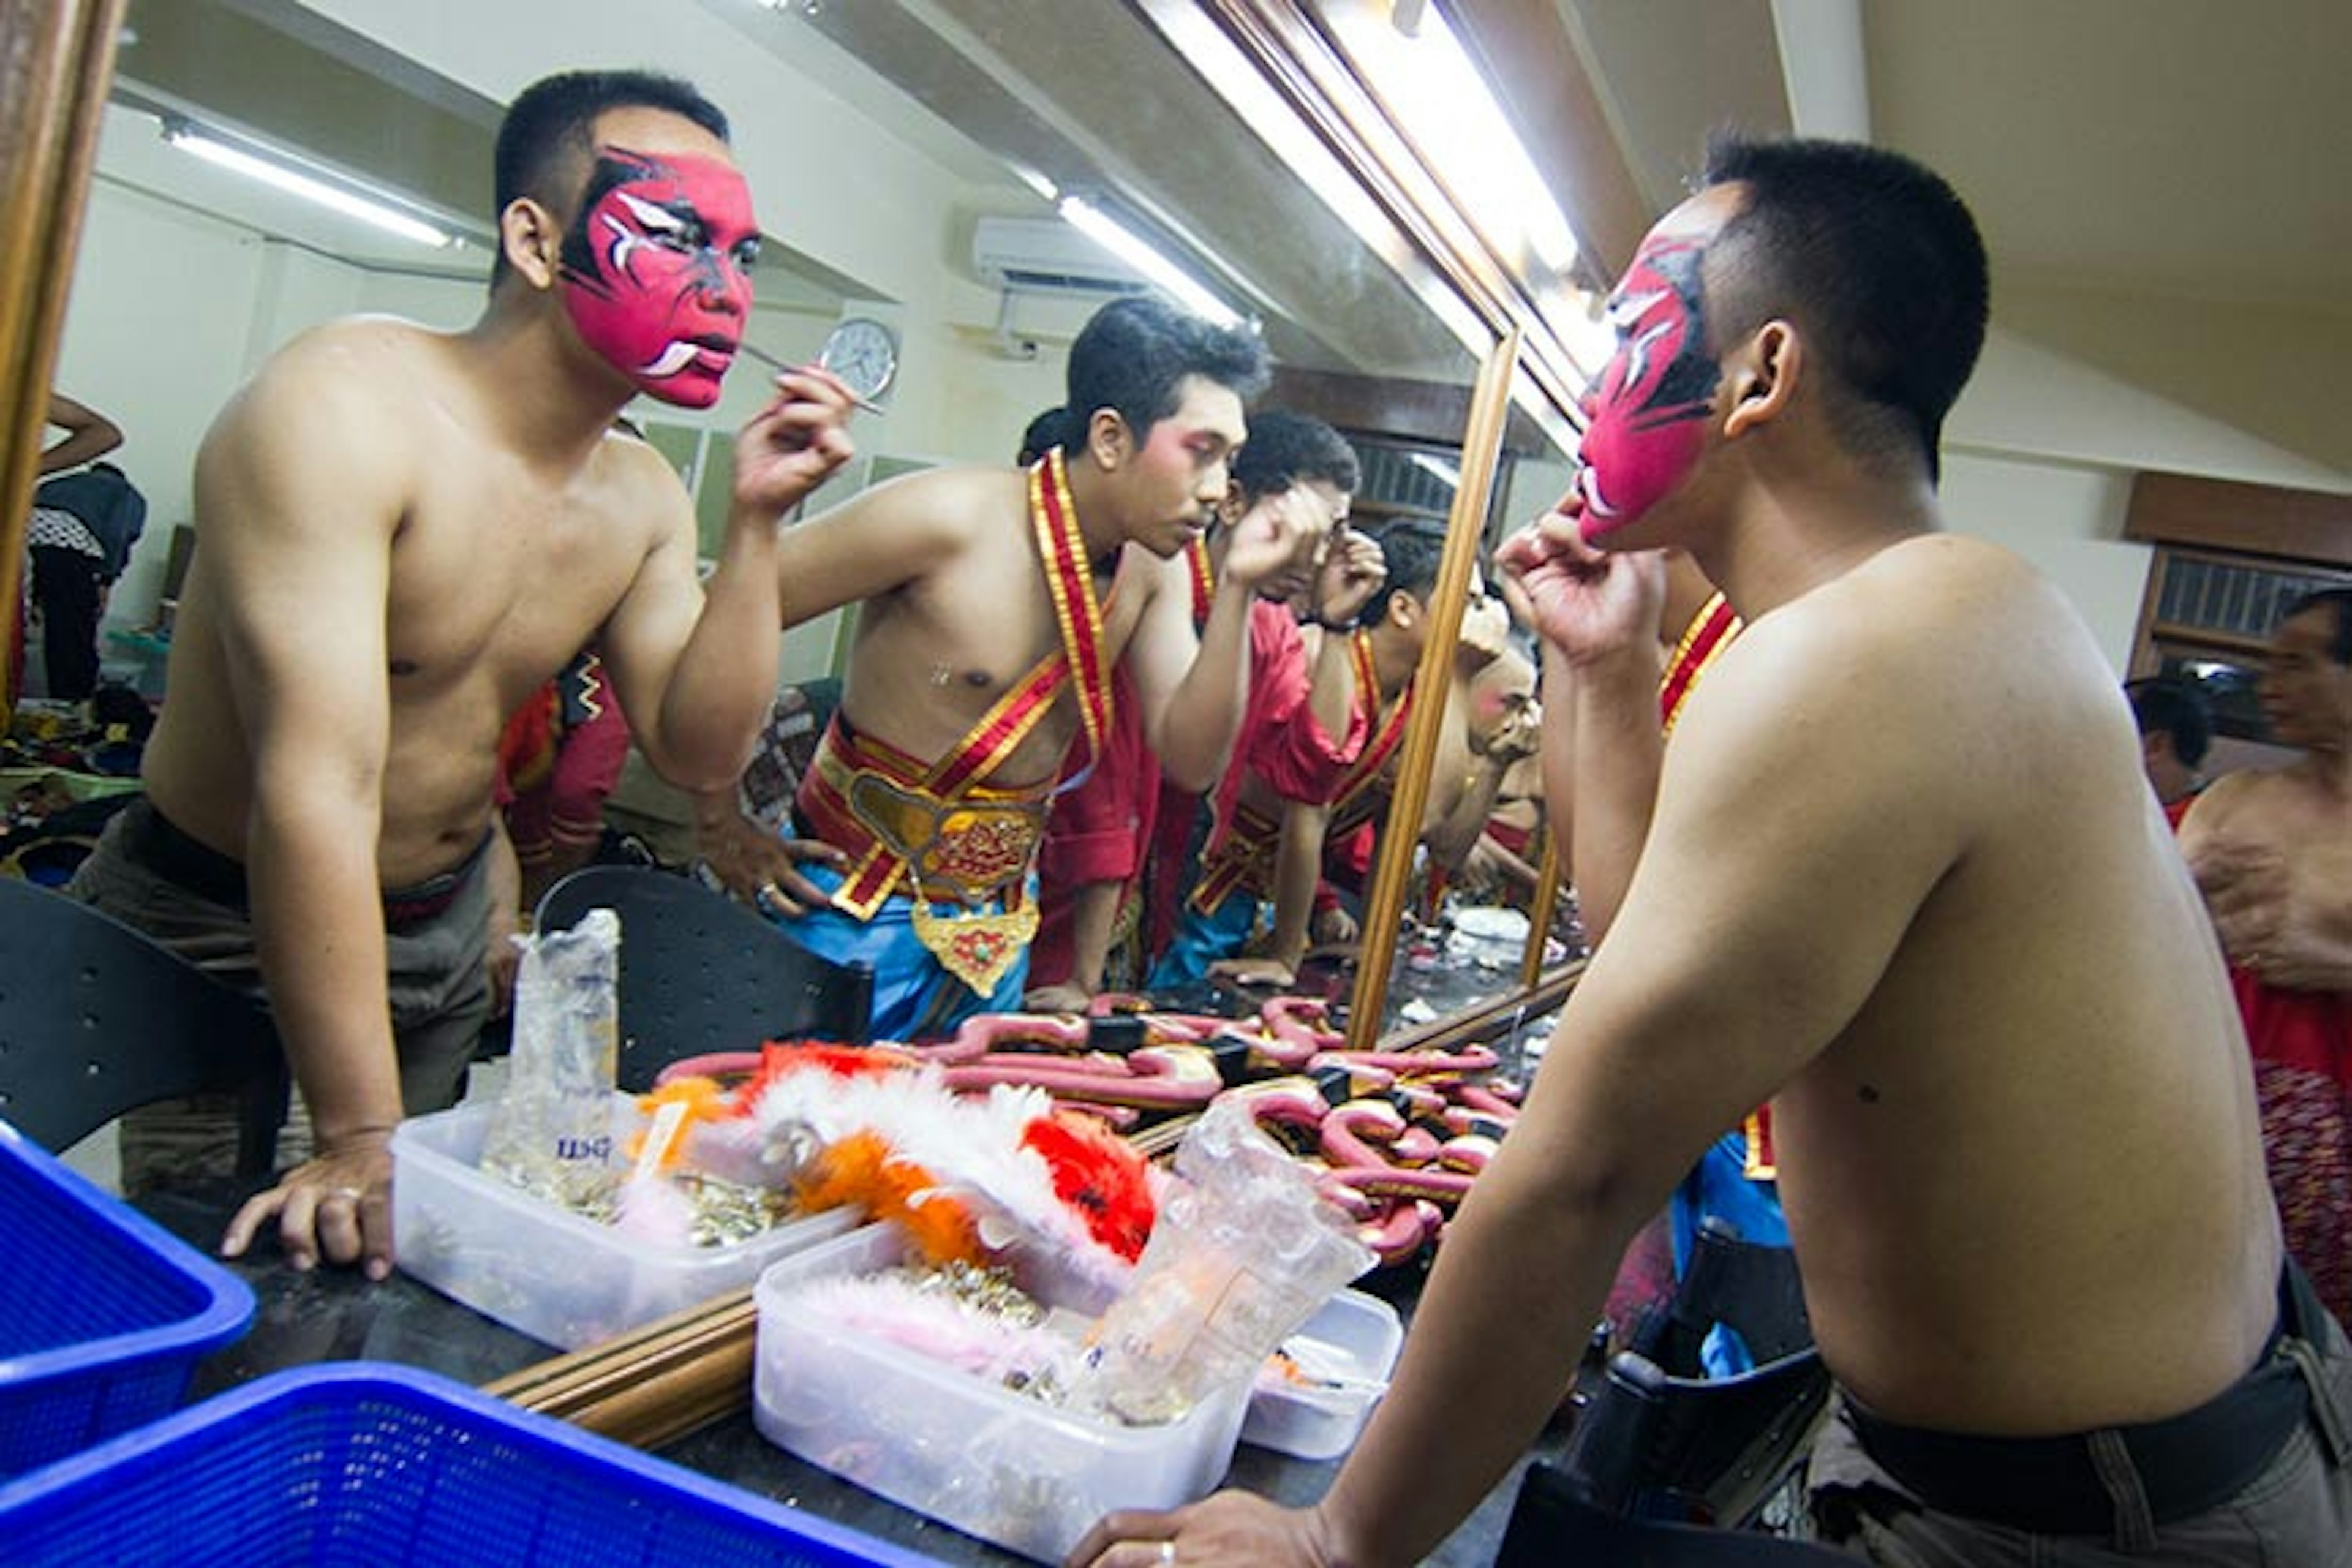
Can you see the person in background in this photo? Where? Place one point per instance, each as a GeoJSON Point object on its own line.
{"type": "Point", "coordinates": [1896, 875]}
{"type": "Point", "coordinates": [1389, 634]}
{"type": "Point", "coordinates": [559, 757]}
{"type": "Point", "coordinates": [404, 533]}
{"type": "Point", "coordinates": [994, 605]}
{"type": "Point", "coordinates": [2176, 728]}
{"type": "Point", "coordinates": [88, 436]}
{"type": "Point", "coordinates": [2271, 852]}
{"type": "Point", "coordinates": [83, 527]}
{"type": "Point", "coordinates": [744, 839]}
{"type": "Point", "coordinates": [1305, 728]}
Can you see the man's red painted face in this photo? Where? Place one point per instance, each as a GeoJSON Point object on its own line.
{"type": "Point", "coordinates": [1649, 409]}
{"type": "Point", "coordinates": [656, 269]}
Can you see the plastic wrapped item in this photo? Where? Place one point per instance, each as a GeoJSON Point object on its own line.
{"type": "Point", "coordinates": [546, 1269]}
{"type": "Point", "coordinates": [1244, 1251]}
{"type": "Point", "coordinates": [552, 1132]}
{"type": "Point", "coordinates": [1312, 1400]}
{"type": "Point", "coordinates": [965, 1449]}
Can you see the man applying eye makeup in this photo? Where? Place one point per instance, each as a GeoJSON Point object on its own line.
{"type": "Point", "coordinates": [402, 533]}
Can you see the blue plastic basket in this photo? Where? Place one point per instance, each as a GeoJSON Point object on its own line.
{"type": "Point", "coordinates": [362, 1463]}
{"type": "Point", "coordinates": [104, 1314]}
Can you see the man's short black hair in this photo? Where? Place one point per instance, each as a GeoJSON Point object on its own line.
{"type": "Point", "coordinates": [1285, 449]}
{"type": "Point", "coordinates": [1134, 354]}
{"type": "Point", "coordinates": [549, 129]}
{"type": "Point", "coordinates": [1048, 430]}
{"type": "Point", "coordinates": [2339, 600]}
{"type": "Point", "coordinates": [2161, 704]}
{"type": "Point", "coordinates": [1411, 549]}
{"type": "Point", "coordinates": [1876, 260]}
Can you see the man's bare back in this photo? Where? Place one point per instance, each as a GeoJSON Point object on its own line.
{"type": "Point", "coordinates": [499, 570]}
{"type": "Point", "coordinates": [1935, 1157]}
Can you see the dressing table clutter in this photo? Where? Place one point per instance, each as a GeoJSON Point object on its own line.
{"type": "Point", "coordinates": [1042, 1325]}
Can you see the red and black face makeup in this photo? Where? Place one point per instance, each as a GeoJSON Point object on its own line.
{"type": "Point", "coordinates": [656, 269]}
{"type": "Point", "coordinates": [1649, 408]}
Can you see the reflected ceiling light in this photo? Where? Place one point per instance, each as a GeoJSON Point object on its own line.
{"type": "Point", "coordinates": [1461, 133]}
{"type": "Point", "coordinates": [1438, 468]}
{"type": "Point", "coordinates": [1098, 227]}
{"type": "Point", "coordinates": [1038, 181]}
{"type": "Point", "coordinates": [273, 170]}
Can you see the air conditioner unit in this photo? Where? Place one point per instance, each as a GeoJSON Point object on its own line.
{"type": "Point", "coordinates": [1047, 256]}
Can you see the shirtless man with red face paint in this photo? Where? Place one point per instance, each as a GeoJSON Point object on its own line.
{"type": "Point", "coordinates": [2015, 1119]}
{"type": "Point", "coordinates": [402, 533]}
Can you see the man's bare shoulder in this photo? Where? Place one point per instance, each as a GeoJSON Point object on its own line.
{"type": "Point", "coordinates": [374, 373]}
{"type": "Point", "coordinates": [382, 357]}
{"type": "Point", "coordinates": [2251, 795]}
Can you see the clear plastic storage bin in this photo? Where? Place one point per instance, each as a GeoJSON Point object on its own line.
{"type": "Point", "coordinates": [557, 1275]}
{"type": "Point", "coordinates": [1011, 1470]}
{"type": "Point", "coordinates": [1354, 1339]}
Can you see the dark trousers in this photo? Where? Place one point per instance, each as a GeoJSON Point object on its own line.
{"type": "Point", "coordinates": [65, 586]}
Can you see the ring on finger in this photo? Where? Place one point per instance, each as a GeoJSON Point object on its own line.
{"type": "Point", "coordinates": [347, 1194]}
{"type": "Point", "coordinates": [1167, 1552]}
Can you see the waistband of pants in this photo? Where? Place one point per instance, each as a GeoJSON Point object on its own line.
{"type": "Point", "coordinates": [2185, 1464]}
{"type": "Point", "coordinates": [171, 852]}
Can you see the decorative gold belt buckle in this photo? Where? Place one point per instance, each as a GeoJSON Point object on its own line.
{"type": "Point", "coordinates": [978, 947]}
{"type": "Point", "coordinates": [967, 849]}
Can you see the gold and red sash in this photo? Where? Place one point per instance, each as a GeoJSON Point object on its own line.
{"type": "Point", "coordinates": [1709, 633]}
{"type": "Point", "coordinates": [1353, 801]}
{"type": "Point", "coordinates": [1241, 857]}
{"type": "Point", "coordinates": [1203, 578]}
{"type": "Point", "coordinates": [1069, 577]}
{"type": "Point", "coordinates": [939, 830]}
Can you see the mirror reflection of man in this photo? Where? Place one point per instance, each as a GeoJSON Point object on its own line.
{"type": "Point", "coordinates": [1305, 725]}
{"type": "Point", "coordinates": [994, 604]}
{"type": "Point", "coordinates": [402, 533]}
{"type": "Point", "coordinates": [2272, 850]}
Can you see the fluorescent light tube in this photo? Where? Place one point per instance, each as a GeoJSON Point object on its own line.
{"type": "Point", "coordinates": [1094, 224]}
{"type": "Point", "coordinates": [270, 172]}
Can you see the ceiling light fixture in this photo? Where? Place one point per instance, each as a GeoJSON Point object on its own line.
{"type": "Point", "coordinates": [1462, 133]}
{"type": "Point", "coordinates": [1107, 232]}
{"type": "Point", "coordinates": [274, 169]}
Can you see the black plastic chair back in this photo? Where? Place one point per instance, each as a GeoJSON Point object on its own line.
{"type": "Point", "coordinates": [98, 1018]}
{"type": "Point", "coordinates": [1552, 1524]}
{"type": "Point", "coordinates": [1659, 1439]}
{"type": "Point", "coordinates": [701, 973]}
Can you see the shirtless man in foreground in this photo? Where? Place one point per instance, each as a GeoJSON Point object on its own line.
{"type": "Point", "coordinates": [2017, 1132]}
{"type": "Point", "coordinates": [404, 533]}
{"type": "Point", "coordinates": [936, 775]}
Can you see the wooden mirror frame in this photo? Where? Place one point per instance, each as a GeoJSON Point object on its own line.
{"type": "Point", "coordinates": [54, 68]}
{"type": "Point", "coordinates": [1296, 56]}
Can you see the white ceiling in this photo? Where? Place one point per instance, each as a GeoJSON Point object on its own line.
{"type": "Point", "coordinates": [2166, 148]}
{"type": "Point", "coordinates": [2170, 148]}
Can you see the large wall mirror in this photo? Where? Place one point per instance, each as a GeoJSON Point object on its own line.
{"type": "Point", "coordinates": [910, 160]}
